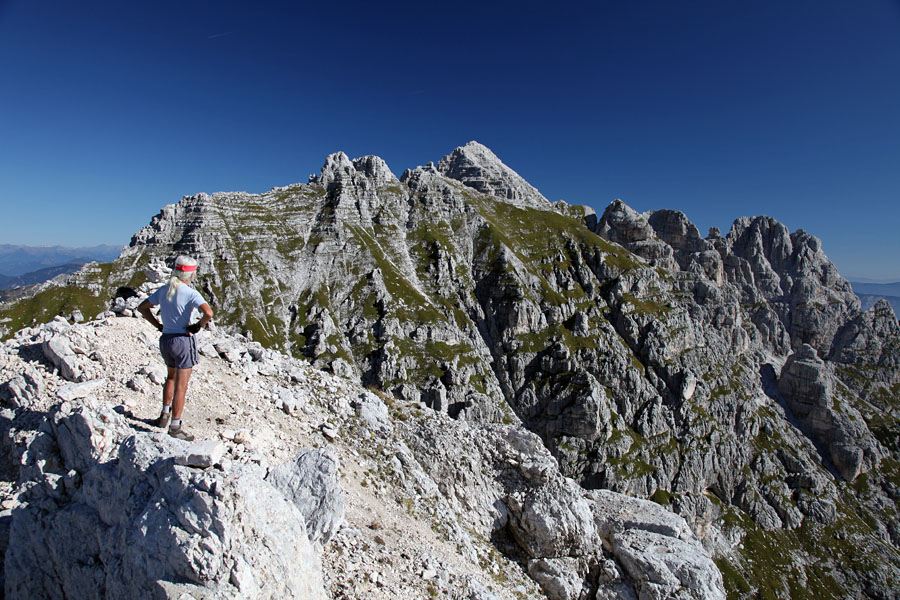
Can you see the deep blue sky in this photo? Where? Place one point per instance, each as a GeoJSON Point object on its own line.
{"type": "Point", "coordinates": [717, 108]}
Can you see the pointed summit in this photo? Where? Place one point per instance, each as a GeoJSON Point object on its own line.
{"type": "Point", "coordinates": [477, 167]}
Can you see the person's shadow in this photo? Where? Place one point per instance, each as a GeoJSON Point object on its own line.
{"type": "Point", "coordinates": [147, 425]}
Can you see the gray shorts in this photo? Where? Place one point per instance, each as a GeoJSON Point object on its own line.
{"type": "Point", "coordinates": [179, 350]}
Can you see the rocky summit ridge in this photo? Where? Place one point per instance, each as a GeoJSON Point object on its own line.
{"type": "Point", "coordinates": [301, 485]}
{"type": "Point", "coordinates": [732, 379]}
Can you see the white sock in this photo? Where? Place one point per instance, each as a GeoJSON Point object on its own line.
{"type": "Point", "coordinates": [167, 408]}
{"type": "Point", "coordinates": [176, 423]}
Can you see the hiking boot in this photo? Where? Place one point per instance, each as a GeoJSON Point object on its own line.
{"type": "Point", "coordinates": [180, 434]}
{"type": "Point", "coordinates": [163, 420]}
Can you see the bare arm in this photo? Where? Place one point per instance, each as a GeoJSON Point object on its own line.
{"type": "Point", "coordinates": [144, 308]}
{"type": "Point", "coordinates": [206, 318]}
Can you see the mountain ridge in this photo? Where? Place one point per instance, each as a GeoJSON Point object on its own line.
{"type": "Point", "coordinates": [735, 378]}
{"type": "Point", "coordinates": [41, 275]}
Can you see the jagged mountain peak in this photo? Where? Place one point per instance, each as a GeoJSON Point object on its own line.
{"type": "Point", "coordinates": [338, 166]}
{"type": "Point", "coordinates": [375, 167]}
{"type": "Point", "coordinates": [473, 165]}
{"type": "Point", "coordinates": [622, 224]}
{"type": "Point", "coordinates": [476, 166]}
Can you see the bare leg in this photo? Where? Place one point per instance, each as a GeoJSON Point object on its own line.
{"type": "Point", "coordinates": [182, 377]}
{"type": "Point", "coordinates": [169, 386]}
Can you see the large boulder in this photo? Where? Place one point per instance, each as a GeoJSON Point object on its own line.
{"type": "Point", "coordinates": [59, 352]}
{"type": "Point", "coordinates": [312, 483]}
{"type": "Point", "coordinates": [104, 517]}
{"type": "Point", "coordinates": [656, 548]}
{"type": "Point", "coordinates": [553, 521]}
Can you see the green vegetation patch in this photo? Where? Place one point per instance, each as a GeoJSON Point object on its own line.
{"type": "Point", "coordinates": [793, 563]}
{"type": "Point", "coordinates": [261, 333]}
{"type": "Point", "coordinates": [431, 358]}
{"type": "Point", "coordinates": [536, 341]}
{"type": "Point", "coordinates": [647, 306]}
{"type": "Point", "coordinates": [411, 304]}
{"type": "Point", "coordinates": [662, 497]}
{"type": "Point", "coordinates": [46, 305]}
{"type": "Point", "coordinates": [534, 235]}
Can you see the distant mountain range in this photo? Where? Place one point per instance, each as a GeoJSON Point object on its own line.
{"type": "Point", "coordinates": [870, 293]}
{"type": "Point", "coordinates": [39, 276]}
{"type": "Point", "coordinates": [19, 260]}
{"type": "Point", "coordinates": [28, 265]}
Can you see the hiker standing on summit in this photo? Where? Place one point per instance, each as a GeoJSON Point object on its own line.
{"type": "Point", "coordinates": [177, 344]}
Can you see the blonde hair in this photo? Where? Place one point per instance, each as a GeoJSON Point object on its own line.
{"type": "Point", "coordinates": [179, 277]}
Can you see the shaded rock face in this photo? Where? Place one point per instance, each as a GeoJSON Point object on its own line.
{"type": "Point", "coordinates": [645, 357]}
{"type": "Point", "coordinates": [809, 387]}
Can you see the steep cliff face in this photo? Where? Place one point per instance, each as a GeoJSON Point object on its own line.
{"type": "Point", "coordinates": [646, 357]}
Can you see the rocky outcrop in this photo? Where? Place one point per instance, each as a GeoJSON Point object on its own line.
{"type": "Point", "coordinates": [692, 253]}
{"type": "Point", "coordinates": [809, 385]}
{"type": "Point", "coordinates": [59, 352]}
{"type": "Point", "coordinates": [791, 275]}
{"type": "Point", "coordinates": [110, 517]}
{"type": "Point", "coordinates": [576, 543]}
{"type": "Point", "coordinates": [623, 225]}
{"type": "Point", "coordinates": [870, 342]}
{"type": "Point", "coordinates": [104, 507]}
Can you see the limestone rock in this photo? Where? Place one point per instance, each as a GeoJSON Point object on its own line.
{"type": "Point", "coordinates": [59, 352]}
{"type": "Point", "coordinates": [667, 567]}
{"type": "Point", "coordinates": [155, 372]}
{"type": "Point", "coordinates": [74, 391]}
{"type": "Point", "coordinates": [202, 454]}
{"type": "Point", "coordinates": [553, 521]}
{"type": "Point", "coordinates": [22, 389]}
{"type": "Point", "coordinates": [792, 274]}
{"type": "Point", "coordinates": [869, 340]}
{"type": "Point", "coordinates": [621, 224]}
{"type": "Point", "coordinates": [560, 578]}
{"type": "Point", "coordinates": [808, 385]}
{"type": "Point", "coordinates": [617, 512]}
{"type": "Point", "coordinates": [137, 523]}
{"type": "Point", "coordinates": [312, 483]}
{"type": "Point", "coordinates": [691, 252]}
{"type": "Point", "coordinates": [479, 168]}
